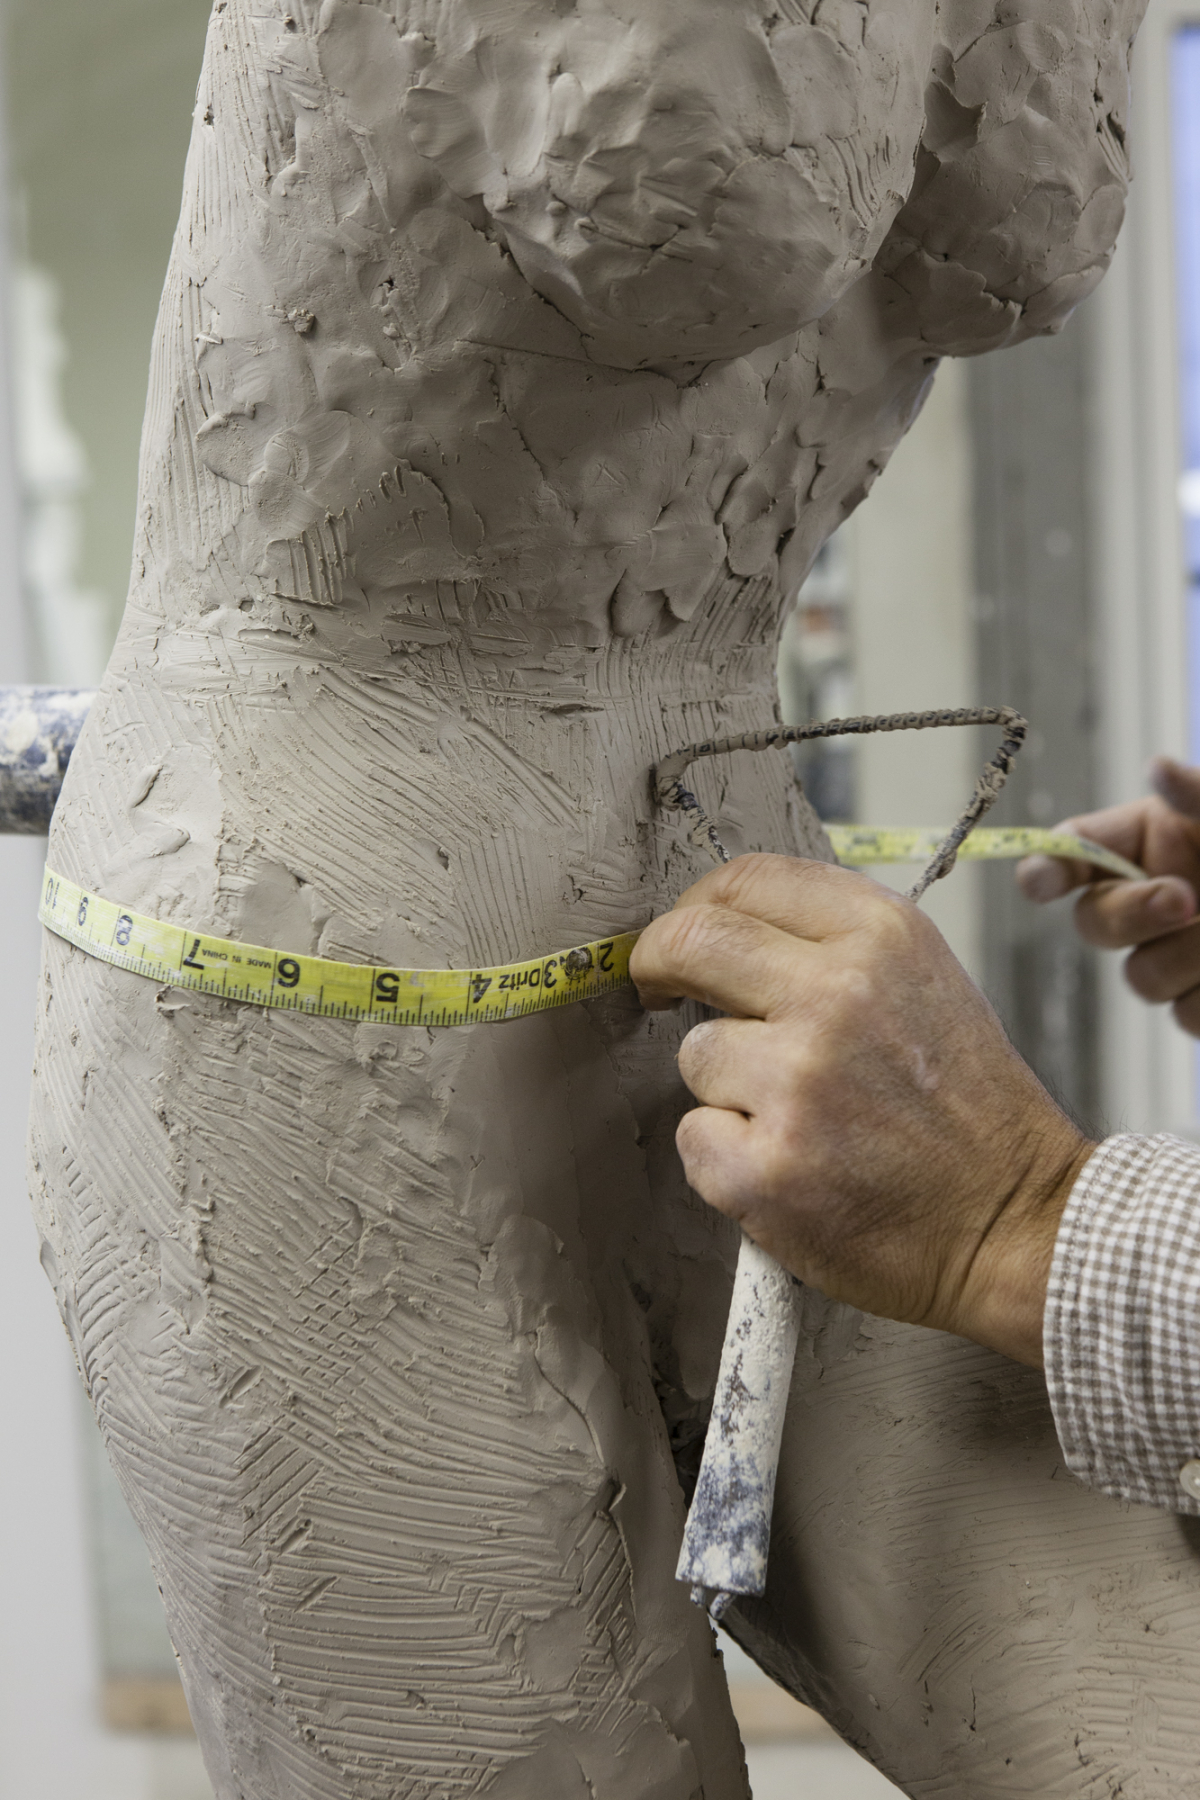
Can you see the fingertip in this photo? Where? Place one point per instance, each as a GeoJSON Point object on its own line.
{"type": "Point", "coordinates": [1163, 767]}
{"type": "Point", "coordinates": [1043, 878]}
{"type": "Point", "coordinates": [1170, 901]}
{"type": "Point", "coordinates": [656, 996]}
{"type": "Point", "coordinates": [654, 1000]}
{"type": "Point", "coordinates": [1177, 783]}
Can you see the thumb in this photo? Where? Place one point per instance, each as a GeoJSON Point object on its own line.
{"type": "Point", "coordinates": [1177, 784]}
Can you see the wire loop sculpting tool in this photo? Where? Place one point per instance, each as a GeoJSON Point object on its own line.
{"type": "Point", "coordinates": [727, 1536]}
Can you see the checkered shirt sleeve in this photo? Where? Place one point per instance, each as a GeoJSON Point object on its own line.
{"type": "Point", "coordinates": [1122, 1323]}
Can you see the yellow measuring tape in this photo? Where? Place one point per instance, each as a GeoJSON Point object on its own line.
{"type": "Point", "coordinates": [328, 990]}
{"type": "Point", "coordinates": [858, 845]}
{"type": "Point", "coordinates": [176, 957]}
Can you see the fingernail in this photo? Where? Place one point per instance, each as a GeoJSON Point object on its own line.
{"type": "Point", "coordinates": [1175, 783]}
{"type": "Point", "coordinates": [1169, 904]}
{"type": "Point", "coordinates": [1043, 878]}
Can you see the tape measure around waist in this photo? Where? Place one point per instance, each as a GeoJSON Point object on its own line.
{"type": "Point", "coordinates": [182, 958]}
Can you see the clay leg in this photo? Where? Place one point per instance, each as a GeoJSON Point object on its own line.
{"type": "Point", "coordinates": [380, 1394]}
{"type": "Point", "coordinates": [967, 1615]}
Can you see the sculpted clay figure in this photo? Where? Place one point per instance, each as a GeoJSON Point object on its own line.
{"type": "Point", "coordinates": [515, 360]}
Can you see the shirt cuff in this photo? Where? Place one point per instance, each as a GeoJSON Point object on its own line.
{"type": "Point", "coordinates": [1122, 1323]}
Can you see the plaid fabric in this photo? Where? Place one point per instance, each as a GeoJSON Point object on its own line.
{"type": "Point", "coordinates": [1122, 1325]}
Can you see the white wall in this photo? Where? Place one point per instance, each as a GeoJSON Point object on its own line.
{"type": "Point", "coordinates": [52, 1746]}
{"type": "Point", "coordinates": [912, 591]}
{"type": "Point", "coordinates": [1149, 1066]}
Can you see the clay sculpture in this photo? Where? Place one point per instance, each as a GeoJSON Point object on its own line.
{"type": "Point", "coordinates": [515, 359]}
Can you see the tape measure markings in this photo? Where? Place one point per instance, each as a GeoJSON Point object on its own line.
{"type": "Point", "coordinates": [371, 994]}
{"type": "Point", "coordinates": [322, 988]}
{"type": "Point", "coordinates": [860, 845]}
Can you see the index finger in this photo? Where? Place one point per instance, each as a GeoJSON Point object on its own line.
{"type": "Point", "coordinates": [1120, 829]}
{"type": "Point", "coordinates": [812, 900]}
{"type": "Point", "coordinates": [1114, 915]}
{"type": "Point", "coordinates": [728, 959]}
{"type": "Point", "coordinates": [1044, 878]}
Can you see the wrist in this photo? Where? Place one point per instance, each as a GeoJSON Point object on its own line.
{"type": "Point", "coordinates": [1003, 1298]}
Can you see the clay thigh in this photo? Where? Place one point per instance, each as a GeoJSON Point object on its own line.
{"type": "Point", "coordinates": [965, 1612]}
{"type": "Point", "coordinates": [363, 1315]}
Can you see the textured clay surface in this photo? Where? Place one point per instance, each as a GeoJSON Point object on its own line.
{"type": "Point", "coordinates": [515, 359]}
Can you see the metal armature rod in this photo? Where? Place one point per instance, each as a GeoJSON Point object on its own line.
{"type": "Point", "coordinates": [39, 728]}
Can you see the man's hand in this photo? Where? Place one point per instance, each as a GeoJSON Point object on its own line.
{"type": "Point", "coordinates": [862, 1114]}
{"type": "Point", "coordinates": [1162, 835]}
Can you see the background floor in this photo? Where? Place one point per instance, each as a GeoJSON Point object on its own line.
{"type": "Point", "coordinates": [827, 1771]}
{"type": "Point", "coordinates": [790, 1752]}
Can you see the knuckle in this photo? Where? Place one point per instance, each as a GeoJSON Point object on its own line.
{"type": "Point", "coordinates": [689, 1135]}
{"type": "Point", "coordinates": [1092, 922]}
{"type": "Point", "coordinates": [690, 934]}
{"type": "Point", "coordinates": [793, 1059]}
{"type": "Point", "coordinates": [870, 965]}
{"type": "Point", "coordinates": [855, 994]}
{"type": "Point", "coordinates": [697, 1050]}
{"type": "Point", "coordinates": [775, 1164]}
{"type": "Point", "coordinates": [1113, 915]}
{"type": "Point", "coordinates": [897, 925]}
{"type": "Point", "coordinates": [1123, 910]}
{"type": "Point", "coordinates": [740, 879]}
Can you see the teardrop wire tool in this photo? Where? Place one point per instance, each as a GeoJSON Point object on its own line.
{"type": "Point", "coordinates": [727, 1536]}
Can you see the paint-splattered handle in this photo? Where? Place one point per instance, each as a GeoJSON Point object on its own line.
{"type": "Point", "coordinates": [728, 1530]}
